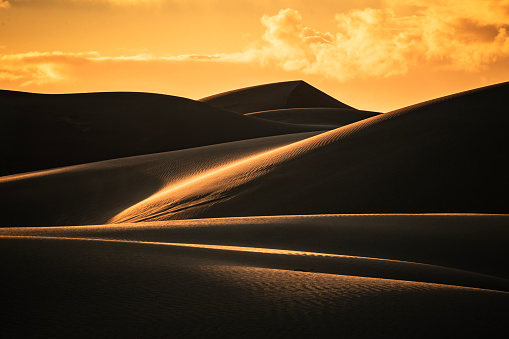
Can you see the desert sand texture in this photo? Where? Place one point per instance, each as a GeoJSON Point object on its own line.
{"type": "Point", "coordinates": [327, 117]}
{"type": "Point", "coordinates": [270, 211]}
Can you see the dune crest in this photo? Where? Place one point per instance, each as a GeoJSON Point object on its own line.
{"type": "Point", "coordinates": [102, 189]}
{"type": "Point", "coordinates": [52, 130]}
{"type": "Point", "coordinates": [279, 95]}
{"type": "Point", "coordinates": [328, 117]}
{"type": "Point", "coordinates": [394, 162]}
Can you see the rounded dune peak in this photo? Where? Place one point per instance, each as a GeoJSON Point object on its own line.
{"type": "Point", "coordinates": [278, 95]}
{"type": "Point", "coordinates": [53, 130]}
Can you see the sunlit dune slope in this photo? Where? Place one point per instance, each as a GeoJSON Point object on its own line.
{"type": "Point", "coordinates": [82, 288]}
{"type": "Point", "coordinates": [468, 250]}
{"type": "Point", "coordinates": [280, 95]}
{"type": "Point", "coordinates": [445, 155]}
{"type": "Point", "coordinates": [328, 117]}
{"type": "Point", "coordinates": [95, 192]}
{"type": "Point", "coordinates": [40, 131]}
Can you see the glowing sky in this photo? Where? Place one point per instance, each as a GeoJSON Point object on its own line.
{"type": "Point", "coordinates": [371, 54]}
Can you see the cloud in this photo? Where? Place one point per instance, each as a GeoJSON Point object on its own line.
{"type": "Point", "coordinates": [377, 43]}
{"type": "Point", "coordinates": [365, 43]}
{"type": "Point", "coordinates": [4, 4]}
{"type": "Point", "coordinates": [39, 68]}
{"type": "Point", "coordinates": [85, 2]}
{"type": "Point", "coordinates": [42, 68]}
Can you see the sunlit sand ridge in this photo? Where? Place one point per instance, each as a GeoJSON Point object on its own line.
{"type": "Point", "coordinates": [251, 227]}
{"type": "Point", "coordinates": [105, 188]}
{"type": "Point", "coordinates": [394, 162]}
{"type": "Point", "coordinates": [311, 243]}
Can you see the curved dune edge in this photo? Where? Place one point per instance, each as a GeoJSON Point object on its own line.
{"type": "Point", "coordinates": [468, 242]}
{"type": "Point", "coordinates": [279, 95]}
{"type": "Point", "coordinates": [105, 188]}
{"type": "Point", "coordinates": [461, 242]}
{"type": "Point", "coordinates": [60, 288]}
{"type": "Point", "coordinates": [324, 116]}
{"type": "Point", "coordinates": [317, 263]}
{"type": "Point", "coordinates": [219, 180]}
{"type": "Point", "coordinates": [360, 168]}
{"type": "Point", "coordinates": [70, 129]}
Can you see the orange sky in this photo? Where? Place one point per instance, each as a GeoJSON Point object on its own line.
{"type": "Point", "coordinates": [371, 54]}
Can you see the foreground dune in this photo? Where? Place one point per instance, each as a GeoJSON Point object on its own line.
{"type": "Point", "coordinates": [468, 250]}
{"type": "Point", "coordinates": [88, 288]}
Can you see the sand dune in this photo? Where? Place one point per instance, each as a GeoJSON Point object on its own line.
{"type": "Point", "coordinates": [272, 223]}
{"type": "Point", "coordinates": [475, 243]}
{"type": "Point", "coordinates": [468, 250]}
{"type": "Point", "coordinates": [41, 131]}
{"type": "Point", "coordinates": [279, 95]}
{"type": "Point", "coordinates": [327, 117]}
{"type": "Point", "coordinates": [62, 288]}
{"type": "Point", "coordinates": [441, 156]}
{"type": "Point", "coordinates": [94, 193]}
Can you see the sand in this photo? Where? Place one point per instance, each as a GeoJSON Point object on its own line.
{"type": "Point", "coordinates": [441, 156]}
{"type": "Point", "coordinates": [281, 212]}
{"type": "Point", "coordinates": [327, 117]}
{"type": "Point", "coordinates": [50, 130]}
{"type": "Point", "coordinates": [279, 95]}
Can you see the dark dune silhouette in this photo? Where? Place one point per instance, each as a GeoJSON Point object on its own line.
{"type": "Point", "coordinates": [41, 131]}
{"type": "Point", "coordinates": [279, 95]}
{"type": "Point", "coordinates": [180, 219]}
{"type": "Point", "coordinates": [327, 117]}
{"type": "Point", "coordinates": [78, 288]}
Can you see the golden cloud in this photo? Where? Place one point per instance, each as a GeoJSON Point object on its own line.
{"type": "Point", "coordinates": [378, 43]}
{"type": "Point", "coordinates": [4, 4]}
{"type": "Point", "coordinates": [40, 67]}
{"type": "Point", "coordinates": [451, 34]}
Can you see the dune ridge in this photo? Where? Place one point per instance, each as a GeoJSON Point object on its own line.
{"type": "Point", "coordinates": [321, 116]}
{"type": "Point", "coordinates": [391, 163]}
{"type": "Point", "coordinates": [102, 189]}
{"type": "Point", "coordinates": [474, 243]}
{"type": "Point", "coordinates": [319, 263]}
{"type": "Point", "coordinates": [279, 95]}
{"type": "Point", "coordinates": [184, 293]}
{"type": "Point", "coordinates": [45, 131]}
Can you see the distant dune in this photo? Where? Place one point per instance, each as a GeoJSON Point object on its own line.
{"type": "Point", "coordinates": [280, 95]}
{"type": "Point", "coordinates": [280, 212]}
{"type": "Point", "coordinates": [319, 116]}
{"type": "Point", "coordinates": [41, 131]}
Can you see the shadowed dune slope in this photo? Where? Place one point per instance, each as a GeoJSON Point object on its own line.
{"type": "Point", "coordinates": [40, 131]}
{"type": "Point", "coordinates": [82, 288]}
{"type": "Point", "coordinates": [445, 155]}
{"type": "Point", "coordinates": [466, 242]}
{"type": "Point", "coordinates": [331, 117]}
{"type": "Point", "coordinates": [280, 95]}
{"type": "Point", "coordinates": [95, 192]}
